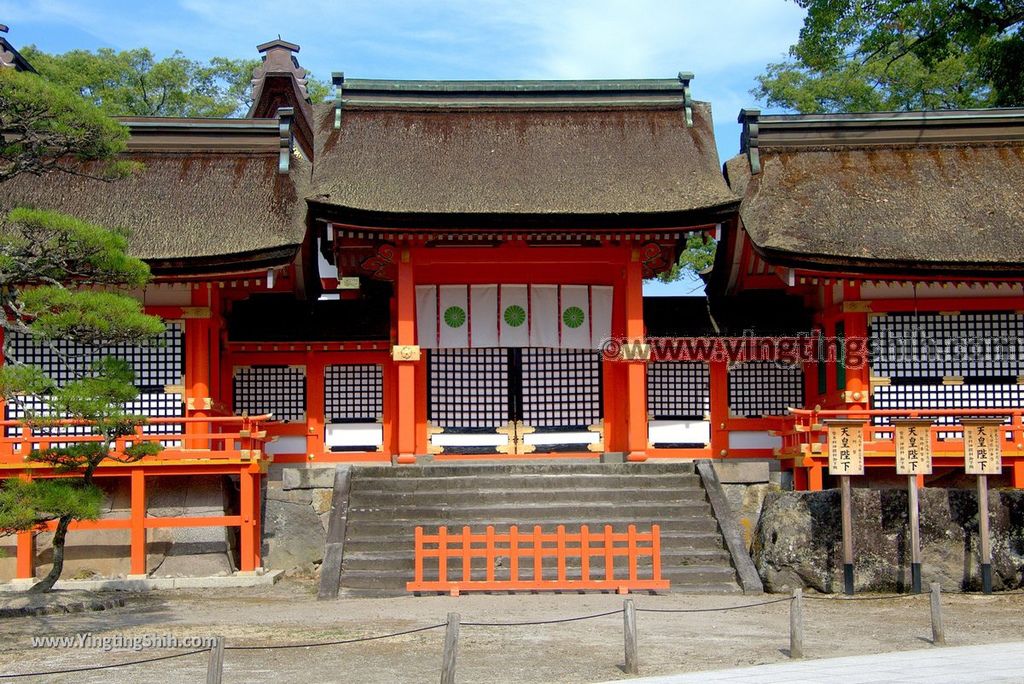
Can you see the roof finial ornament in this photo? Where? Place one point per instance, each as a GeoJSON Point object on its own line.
{"type": "Point", "coordinates": [685, 77]}
{"type": "Point", "coordinates": [279, 58]}
{"type": "Point", "coordinates": [749, 137]}
{"type": "Point", "coordinates": [3, 28]}
{"type": "Point", "coordinates": [338, 79]}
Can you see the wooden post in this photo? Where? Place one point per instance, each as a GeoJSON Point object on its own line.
{"type": "Point", "coordinates": [215, 668]}
{"type": "Point", "coordinates": [718, 378]}
{"type": "Point", "coordinates": [137, 562]}
{"type": "Point", "coordinates": [915, 534]}
{"type": "Point", "coordinates": [629, 628]}
{"type": "Point", "coordinates": [636, 368]}
{"type": "Point", "coordinates": [938, 631]}
{"type": "Point", "coordinates": [26, 559]}
{"type": "Point", "coordinates": [405, 329]}
{"type": "Point", "coordinates": [247, 542]}
{"type": "Point", "coordinates": [451, 647]}
{"type": "Point", "coordinates": [983, 534]}
{"type": "Point", "coordinates": [847, 515]}
{"type": "Point", "coordinates": [796, 624]}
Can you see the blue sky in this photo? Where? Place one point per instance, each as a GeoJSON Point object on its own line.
{"type": "Point", "coordinates": [726, 43]}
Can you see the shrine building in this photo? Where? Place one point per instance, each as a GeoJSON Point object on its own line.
{"type": "Point", "coordinates": [425, 273]}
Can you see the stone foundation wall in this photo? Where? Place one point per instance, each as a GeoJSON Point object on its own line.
{"type": "Point", "coordinates": [297, 504]}
{"type": "Point", "coordinates": [798, 540]}
{"type": "Point", "coordinates": [172, 552]}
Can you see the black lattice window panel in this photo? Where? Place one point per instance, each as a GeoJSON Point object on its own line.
{"type": "Point", "coordinates": [468, 388]}
{"type": "Point", "coordinates": [353, 393]}
{"type": "Point", "coordinates": [678, 389]}
{"type": "Point", "coordinates": [157, 363]}
{"type": "Point", "coordinates": [935, 345]}
{"type": "Point", "coordinates": [561, 387]}
{"type": "Point", "coordinates": [765, 388]}
{"type": "Point", "coordinates": [936, 396]}
{"type": "Point", "coordinates": [279, 390]}
{"type": "Point", "coordinates": [150, 404]}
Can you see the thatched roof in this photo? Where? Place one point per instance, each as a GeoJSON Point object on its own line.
{"type": "Point", "coordinates": [518, 154]}
{"type": "Point", "coordinates": [938, 191]}
{"type": "Point", "coordinates": [209, 194]}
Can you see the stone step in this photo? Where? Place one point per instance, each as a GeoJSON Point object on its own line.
{"type": "Point", "coordinates": [676, 541]}
{"type": "Point", "coordinates": [457, 470]}
{"type": "Point", "coordinates": [461, 497]}
{"type": "Point", "coordinates": [540, 482]}
{"type": "Point", "coordinates": [684, 525]}
{"type": "Point", "coordinates": [681, 579]}
{"type": "Point", "coordinates": [387, 504]}
{"type": "Point", "coordinates": [395, 559]}
{"type": "Point", "coordinates": [639, 512]}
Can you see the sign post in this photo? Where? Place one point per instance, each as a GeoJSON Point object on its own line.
{"type": "Point", "coordinates": [846, 458]}
{"type": "Point", "coordinates": [913, 458]}
{"type": "Point", "coordinates": [983, 457]}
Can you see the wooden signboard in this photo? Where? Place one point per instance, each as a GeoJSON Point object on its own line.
{"type": "Point", "coordinates": [983, 446]}
{"type": "Point", "coordinates": [845, 447]}
{"type": "Point", "coordinates": [913, 446]}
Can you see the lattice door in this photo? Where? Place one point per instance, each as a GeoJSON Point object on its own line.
{"type": "Point", "coordinates": [561, 399]}
{"type": "Point", "coordinates": [469, 402]}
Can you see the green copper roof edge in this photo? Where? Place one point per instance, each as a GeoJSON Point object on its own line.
{"type": "Point", "coordinates": [354, 85]}
{"type": "Point", "coordinates": [941, 115]}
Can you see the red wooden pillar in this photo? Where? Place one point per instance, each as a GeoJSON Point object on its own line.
{"type": "Point", "coordinates": [1018, 474]}
{"type": "Point", "coordinates": [636, 368]}
{"type": "Point", "coordinates": [197, 364]}
{"type": "Point", "coordinates": [816, 478]}
{"type": "Point", "coordinates": [406, 357]}
{"type": "Point", "coordinates": [26, 562]}
{"type": "Point", "coordinates": [257, 527]}
{"type": "Point", "coordinates": [858, 380]}
{"type": "Point", "coordinates": [718, 374]}
{"type": "Point", "coordinates": [315, 430]}
{"type": "Point", "coordinates": [138, 522]}
{"type": "Point", "coordinates": [249, 528]}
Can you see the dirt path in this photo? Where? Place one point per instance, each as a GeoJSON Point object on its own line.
{"type": "Point", "coordinates": [582, 651]}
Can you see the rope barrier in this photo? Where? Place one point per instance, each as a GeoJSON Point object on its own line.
{"type": "Point", "coordinates": [90, 668]}
{"type": "Point", "coordinates": [334, 643]}
{"type": "Point", "coordinates": [840, 597]}
{"type": "Point", "coordinates": [532, 623]}
{"type": "Point", "coordinates": [713, 610]}
{"type": "Point", "coordinates": [542, 622]}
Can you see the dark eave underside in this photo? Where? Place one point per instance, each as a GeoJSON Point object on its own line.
{"type": "Point", "coordinates": [227, 264]}
{"type": "Point", "coordinates": [419, 222]}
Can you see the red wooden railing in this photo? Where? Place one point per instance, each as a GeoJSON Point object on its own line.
{"type": "Point", "coordinates": [522, 554]}
{"type": "Point", "coordinates": [219, 438]}
{"type": "Point", "coordinates": [805, 443]}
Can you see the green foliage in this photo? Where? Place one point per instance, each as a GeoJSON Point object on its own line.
{"type": "Point", "coordinates": [43, 246]}
{"type": "Point", "coordinates": [16, 381]}
{"type": "Point", "coordinates": [698, 257]}
{"type": "Point", "coordinates": [44, 126]}
{"type": "Point", "coordinates": [855, 55]}
{"type": "Point", "coordinates": [136, 83]}
{"type": "Point", "coordinates": [87, 316]}
{"type": "Point", "coordinates": [24, 504]}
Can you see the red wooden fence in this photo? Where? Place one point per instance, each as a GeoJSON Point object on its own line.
{"type": "Point", "coordinates": [514, 561]}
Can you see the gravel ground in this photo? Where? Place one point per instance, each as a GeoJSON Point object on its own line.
{"type": "Point", "coordinates": [583, 651]}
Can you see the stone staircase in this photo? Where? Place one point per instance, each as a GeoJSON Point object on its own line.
{"type": "Point", "coordinates": [386, 504]}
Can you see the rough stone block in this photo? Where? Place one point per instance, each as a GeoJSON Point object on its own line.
{"type": "Point", "coordinates": [742, 472]}
{"type": "Point", "coordinates": [799, 540]}
{"type": "Point", "coordinates": [194, 565]}
{"type": "Point", "coordinates": [308, 478]}
{"type": "Point", "coordinates": [293, 535]}
{"type": "Point", "coordinates": [322, 500]}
